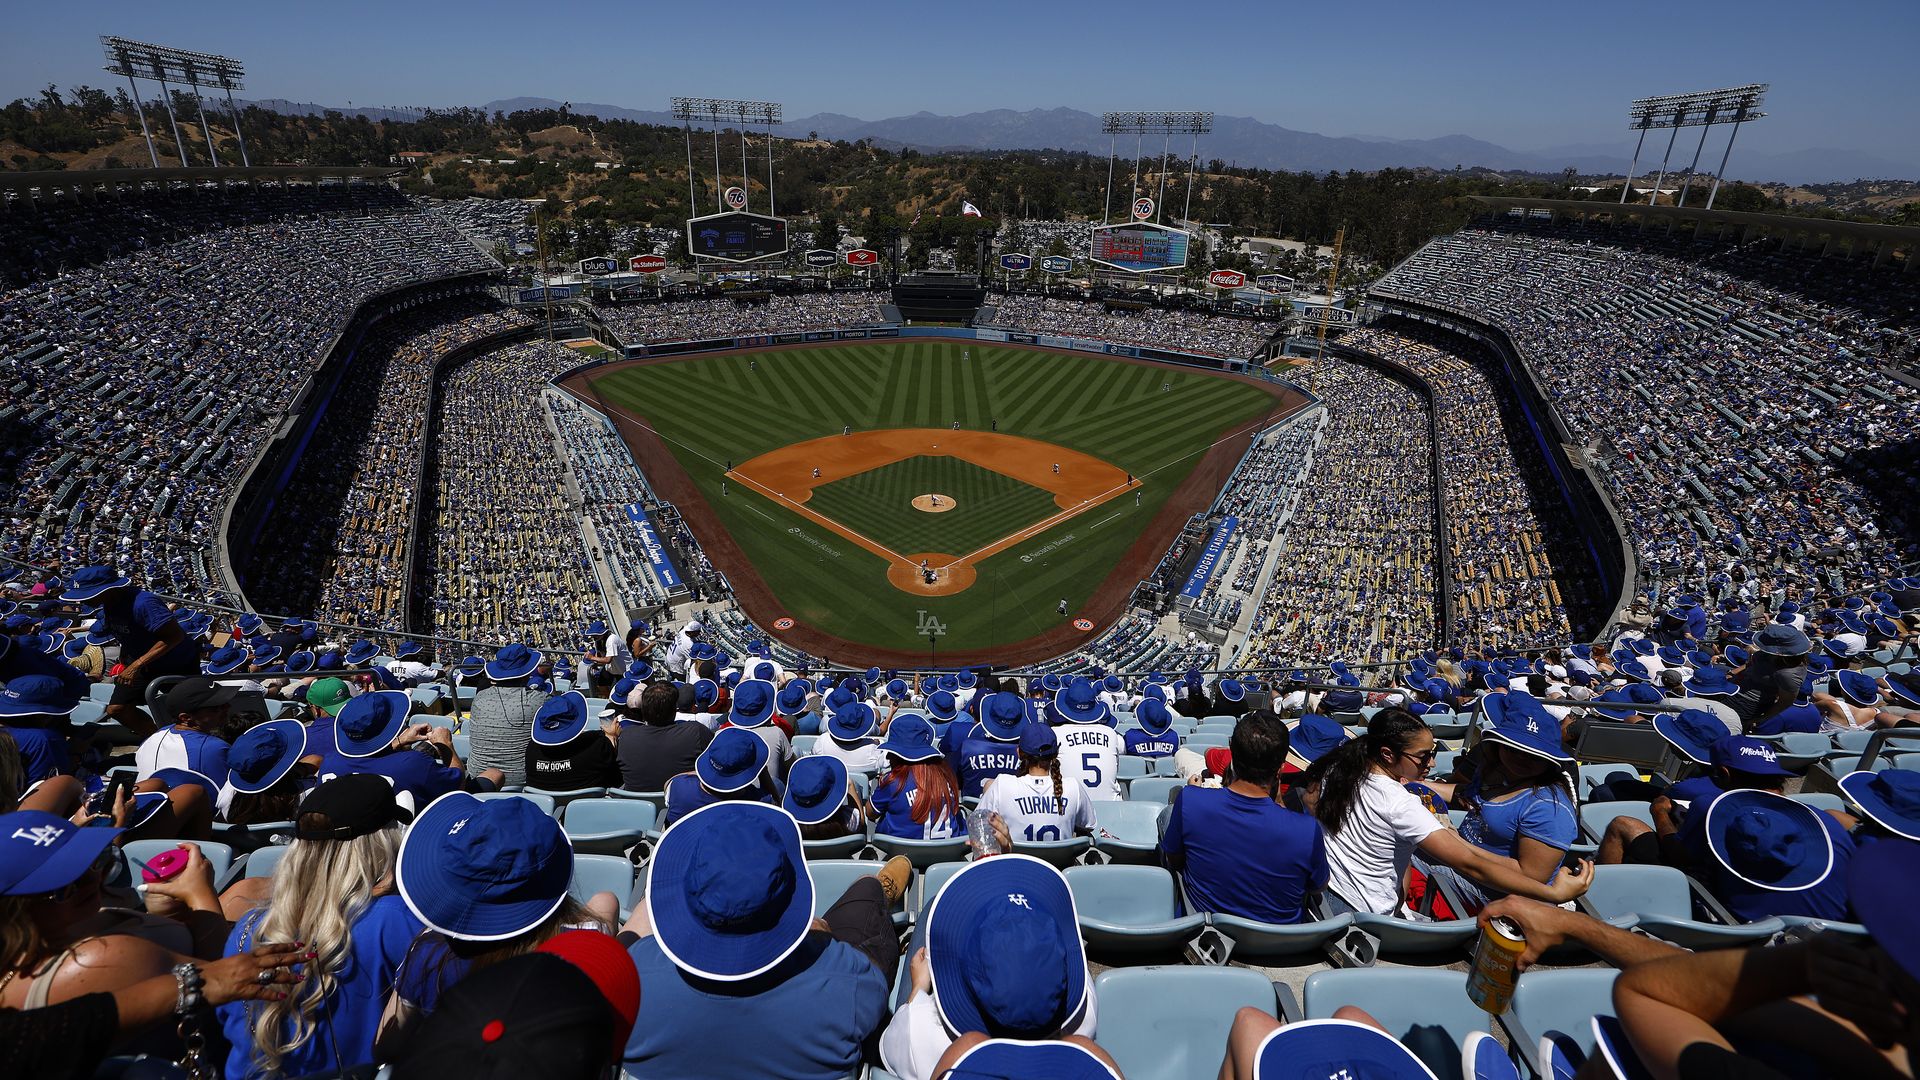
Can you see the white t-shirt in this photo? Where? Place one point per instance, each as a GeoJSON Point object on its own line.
{"type": "Point", "coordinates": [1027, 805]}
{"type": "Point", "coordinates": [1369, 856]}
{"type": "Point", "coordinates": [1090, 755]}
{"type": "Point", "coordinates": [915, 1038]}
{"type": "Point", "coordinates": [865, 757]}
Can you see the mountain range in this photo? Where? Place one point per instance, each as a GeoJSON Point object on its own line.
{"type": "Point", "coordinates": [1240, 140]}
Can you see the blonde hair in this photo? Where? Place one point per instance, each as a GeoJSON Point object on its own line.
{"type": "Point", "coordinates": [319, 889]}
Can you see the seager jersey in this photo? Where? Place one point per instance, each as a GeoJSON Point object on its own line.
{"type": "Point", "coordinates": [1090, 756]}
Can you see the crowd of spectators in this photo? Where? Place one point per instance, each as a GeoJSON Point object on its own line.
{"type": "Point", "coordinates": [340, 528]}
{"type": "Point", "coordinates": [146, 377]}
{"type": "Point", "coordinates": [608, 482]}
{"type": "Point", "coordinates": [492, 224]}
{"type": "Point", "coordinates": [1157, 327]}
{"type": "Point", "coordinates": [1520, 573]}
{"type": "Point", "coordinates": [693, 320]}
{"type": "Point", "coordinates": [1731, 395]}
{"type": "Point", "coordinates": [1357, 579]}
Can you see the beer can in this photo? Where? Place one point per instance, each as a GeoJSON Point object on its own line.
{"type": "Point", "coordinates": [1496, 965]}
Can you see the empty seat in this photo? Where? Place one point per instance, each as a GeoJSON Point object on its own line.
{"type": "Point", "coordinates": [1157, 790]}
{"type": "Point", "coordinates": [1171, 1023]}
{"type": "Point", "coordinates": [1557, 1001]}
{"type": "Point", "coordinates": [562, 798]}
{"type": "Point", "coordinates": [1595, 817]}
{"type": "Point", "coordinates": [1403, 937]}
{"type": "Point", "coordinates": [603, 873]}
{"type": "Point", "coordinates": [545, 802]}
{"type": "Point", "coordinates": [1661, 901]}
{"type": "Point", "coordinates": [1278, 943]}
{"type": "Point", "coordinates": [608, 826]}
{"type": "Point", "coordinates": [849, 846]}
{"type": "Point", "coordinates": [1200, 741]}
{"type": "Point", "coordinates": [1427, 1010]}
{"type": "Point", "coordinates": [261, 862]}
{"type": "Point", "coordinates": [1130, 767]}
{"type": "Point", "coordinates": [1131, 909]}
{"type": "Point", "coordinates": [1129, 832]}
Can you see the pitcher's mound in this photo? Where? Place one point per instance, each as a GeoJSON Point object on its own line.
{"type": "Point", "coordinates": [933, 504]}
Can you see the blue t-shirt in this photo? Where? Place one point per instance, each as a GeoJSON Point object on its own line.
{"type": "Point", "coordinates": [410, 771]}
{"type": "Point", "coordinates": [1791, 718]}
{"type": "Point", "coordinates": [139, 626]}
{"type": "Point", "coordinates": [349, 1017]}
{"type": "Point", "coordinates": [895, 803]}
{"type": "Point", "coordinates": [953, 737]}
{"type": "Point", "coordinates": [750, 1028]}
{"type": "Point", "coordinates": [1145, 744]}
{"type": "Point", "coordinates": [685, 795]}
{"type": "Point", "coordinates": [1748, 902]}
{"type": "Point", "coordinates": [1694, 790]}
{"type": "Point", "coordinates": [982, 759]}
{"type": "Point", "coordinates": [1543, 813]}
{"type": "Point", "coordinates": [43, 753]}
{"type": "Point", "coordinates": [1246, 856]}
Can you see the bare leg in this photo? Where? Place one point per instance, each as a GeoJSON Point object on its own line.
{"type": "Point", "coordinates": [59, 795]}
{"type": "Point", "coordinates": [1621, 831]}
{"type": "Point", "coordinates": [1250, 1027]}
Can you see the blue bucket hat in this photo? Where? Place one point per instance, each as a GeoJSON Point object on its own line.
{"type": "Point", "coordinates": [1781, 639]}
{"type": "Point", "coordinates": [560, 719]}
{"type": "Point", "coordinates": [91, 582]}
{"type": "Point", "coordinates": [728, 891]}
{"type": "Point", "coordinates": [43, 853]}
{"type": "Point", "coordinates": [732, 762]}
{"type": "Point", "coordinates": [792, 698]}
{"type": "Point", "coordinates": [839, 698]}
{"type": "Point", "coordinates": [1891, 797]}
{"type": "Point", "coordinates": [1692, 732]}
{"type": "Point", "coordinates": [1735, 656]}
{"type": "Point", "coordinates": [1343, 1048]}
{"type": "Point", "coordinates": [702, 651]}
{"type": "Point", "coordinates": [1154, 692]}
{"type": "Point", "coordinates": [967, 679]}
{"type": "Point", "coordinates": [1003, 939]}
{"type": "Point", "coordinates": [266, 653]}
{"type": "Point", "coordinates": [1670, 655]}
{"type": "Point", "coordinates": [872, 676]}
{"type": "Point", "coordinates": [752, 703]}
{"type": "Point", "coordinates": [363, 650]}
{"type": "Point", "coordinates": [1154, 716]}
{"type": "Point", "coordinates": [1711, 682]}
{"type": "Point", "coordinates": [301, 661]}
{"type": "Point", "coordinates": [910, 738]}
{"type": "Point", "coordinates": [98, 634]}
{"type": "Point", "coordinates": [1633, 669]}
{"type": "Point", "coordinates": [949, 683]}
{"type": "Point", "coordinates": [762, 669]}
{"type": "Point", "coordinates": [1744, 753]}
{"type": "Point", "coordinates": [264, 754]}
{"type": "Point", "coordinates": [639, 670]}
{"type": "Point", "coordinates": [367, 724]}
{"type": "Point", "coordinates": [705, 693]}
{"type": "Point", "coordinates": [1232, 690]}
{"type": "Point", "coordinates": [1050, 1058]}
{"type": "Point", "coordinates": [484, 870]}
{"type": "Point", "coordinates": [1313, 736]}
{"type": "Point", "coordinates": [1643, 694]}
{"type": "Point", "coordinates": [851, 722]}
{"type": "Point", "coordinates": [410, 647]}
{"type": "Point", "coordinates": [514, 661]}
{"type": "Point", "coordinates": [1524, 724]}
{"type": "Point", "coordinates": [37, 695]}
{"type": "Point", "coordinates": [249, 624]}
{"type": "Point", "coordinates": [1077, 703]}
{"type": "Point", "coordinates": [1857, 687]}
{"type": "Point", "coordinates": [1768, 840]}
{"type": "Point", "coordinates": [1609, 705]}
{"type": "Point", "coordinates": [74, 647]}
{"type": "Point", "coordinates": [471, 667]}
{"type": "Point", "coordinates": [1002, 715]}
{"type": "Point", "coordinates": [941, 706]}
{"type": "Point", "coordinates": [1496, 680]}
{"type": "Point", "coordinates": [596, 628]}
{"type": "Point", "coordinates": [897, 689]}
{"type": "Point", "coordinates": [1905, 687]}
{"type": "Point", "coordinates": [1051, 683]}
{"type": "Point", "coordinates": [817, 788]}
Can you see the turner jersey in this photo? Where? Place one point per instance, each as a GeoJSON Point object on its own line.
{"type": "Point", "coordinates": [1090, 756]}
{"type": "Point", "coordinates": [1032, 813]}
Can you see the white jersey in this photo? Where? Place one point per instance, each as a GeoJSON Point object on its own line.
{"type": "Point", "coordinates": [1032, 813]}
{"type": "Point", "coordinates": [1090, 756]}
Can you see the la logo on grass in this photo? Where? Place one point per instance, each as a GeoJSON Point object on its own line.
{"type": "Point", "coordinates": [930, 626]}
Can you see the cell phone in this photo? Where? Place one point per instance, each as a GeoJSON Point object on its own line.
{"type": "Point", "coordinates": [102, 801]}
{"type": "Point", "coordinates": [165, 866]}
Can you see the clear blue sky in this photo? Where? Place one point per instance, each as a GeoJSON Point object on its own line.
{"type": "Point", "coordinates": [1527, 75]}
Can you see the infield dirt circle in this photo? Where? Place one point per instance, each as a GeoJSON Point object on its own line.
{"type": "Point", "coordinates": [933, 504]}
{"type": "Point", "coordinates": [1078, 482]}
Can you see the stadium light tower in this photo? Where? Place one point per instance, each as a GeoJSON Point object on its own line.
{"type": "Point", "coordinates": [139, 60]}
{"type": "Point", "coordinates": [1165, 124]}
{"type": "Point", "coordinates": [1702, 109]}
{"type": "Point", "coordinates": [717, 111]}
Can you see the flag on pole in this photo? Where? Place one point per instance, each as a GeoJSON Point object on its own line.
{"type": "Point", "coordinates": [915, 221]}
{"type": "Point", "coordinates": [967, 209]}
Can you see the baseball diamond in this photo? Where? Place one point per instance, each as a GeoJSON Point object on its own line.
{"type": "Point", "coordinates": [1045, 443]}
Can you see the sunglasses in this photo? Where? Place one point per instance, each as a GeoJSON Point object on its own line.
{"type": "Point", "coordinates": [1424, 757]}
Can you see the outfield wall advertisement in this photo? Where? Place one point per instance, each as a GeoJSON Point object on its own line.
{"type": "Point", "coordinates": [656, 551]}
{"type": "Point", "coordinates": [1209, 559]}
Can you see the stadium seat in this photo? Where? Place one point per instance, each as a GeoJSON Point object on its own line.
{"type": "Point", "coordinates": [922, 853]}
{"type": "Point", "coordinates": [832, 877]}
{"type": "Point", "coordinates": [88, 712]}
{"type": "Point", "coordinates": [1061, 853]}
{"type": "Point", "coordinates": [245, 838]}
{"type": "Point", "coordinates": [219, 857]}
{"type": "Point", "coordinates": [657, 798]}
{"type": "Point", "coordinates": [1201, 741]}
{"type": "Point", "coordinates": [1595, 817]}
{"type": "Point", "coordinates": [1129, 832]}
{"type": "Point", "coordinates": [1157, 790]}
{"type": "Point", "coordinates": [1277, 944]}
{"type": "Point", "coordinates": [1851, 742]}
{"type": "Point", "coordinates": [932, 880]}
{"type": "Point", "coordinates": [1215, 727]}
{"type": "Point", "coordinates": [1662, 901]}
{"type": "Point", "coordinates": [1171, 1023]}
{"type": "Point", "coordinates": [1592, 776]}
{"type": "Point", "coordinates": [1557, 1001]}
{"type": "Point", "coordinates": [545, 802]}
{"type": "Point", "coordinates": [850, 846]}
{"type": "Point", "coordinates": [803, 744]}
{"type": "Point", "coordinates": [1819, 800]}
{"type": "Point", "coordinates": [1403, 938]}
{"type": "Point", "coordinates": [603, 873]}
{"type": "Point", "coordinates": [101, 692]}
{"type": "Point", "coordinates": [1131, 910]}
{"type": "Point", "coordinates": [1799, 749]}
{"type": "Point", "coordinates": [462, 745]}
{"type": "Point", "coordinates": [260, 862]}
{"type": "Point", "coordinates": [1131, 767]}
{"type": "Point", "coordinates": [1447, 725]}
{"type": "Point", "coordinates": [608, 826]}
{"type": "Point", "coordinates": [1427, 1010]}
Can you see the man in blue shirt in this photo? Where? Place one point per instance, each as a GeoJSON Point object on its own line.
{"type": "Point", "coordinates": [34, 710]}
{"type": "Point", "coordinates": [1762, 854]}
{"type": "Point", "coordinates": [371, 735]}
{"type": "Point", "coordinates": [732, 947]}
{"type": "Point", "coordinates": [991, 747]}
{"type": "Point", "coordinates": [152, 644]}
{"type": "Point", "coordinates": [1155, 737]}
{"type": "Point", "coordinates": [1239, 852]}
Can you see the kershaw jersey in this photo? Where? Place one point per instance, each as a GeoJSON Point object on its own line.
{"type": "Point", "coordinates": [1032, 813]}
{"type": "Point", "coordinates": [982, 759]}
{"type": "Point", "coordinates": [1090, 756]}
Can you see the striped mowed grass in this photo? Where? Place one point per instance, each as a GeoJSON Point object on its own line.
{"type": "Point", "coordinates": [714, 412]}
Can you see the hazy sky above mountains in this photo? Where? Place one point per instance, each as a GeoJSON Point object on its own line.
{"type": "Point", "coordinates": [1526, 76]}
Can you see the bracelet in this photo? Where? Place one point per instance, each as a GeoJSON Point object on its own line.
{"type": "Point", "coordinates": [188, 997]}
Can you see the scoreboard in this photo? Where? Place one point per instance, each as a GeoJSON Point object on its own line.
{"type": "Point", "coordinates": [736, 237]}
{"type": "Point", "coordinates": [1139, 248]}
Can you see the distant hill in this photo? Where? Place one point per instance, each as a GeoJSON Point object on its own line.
{"type": "Point", "coordinates": [1245, 141]}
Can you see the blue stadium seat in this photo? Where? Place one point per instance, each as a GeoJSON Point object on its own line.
{"type": "Point", "coordinates": [1131, 910]}
{"type": "Point", "coordinates": [1557, 1001]}
{"type": "Point", "coordinates": [1402, 937]}
{"type": "Point", "coordinates": [831, 879]}
{"type": "Point", "coordinates": [246, 838]}
{"type": "Point", "coordinates": [1800, 749]}
{"type": "Point", "coordinates": [1819, 800]}
{"type": "Point", "coordinates": [1215, 727]}
{"type": "Point", "coordinates": [1592, 776]}
{"type": "Point", "coordinates": [1060, 853]}
{"type": "Point", "coordinates": [608, 826]}
{"type": "Point", "coordinates": [462, 745]}
{"type": "Point", "coordinates": [1201, 741]}
{"type": "Point", "coordinates": [260, 863]}
{"type": "Point", "coordinates": [1153, 789]}
{"type": "Point", "coordinates": [1129, 832]}
{"type": "Point", "coordinates": [219, 857]}
{"type": "Point", "coordinates": [88, 712]}
{"type": "Point", "coordinates": [1277, 944]}
{"type": "Point", "coordinates": [1171, 1023]}
{"type": "Point", "coordinates": [1131, 767]}
{"type": "Point", "coordinates": [603, 873]}
{"type": "Point", "coordinates": [657, 798]}
{"type": "Point", "coordinates": [1427, 1010]}
{"type": "Point", "coordinates": [101, 692]}
{"type": "Point", "coordinates": [932, 880]}
{"type": "Point", "coordinates": [922, 853]}
{"type": "Point", "coordinates": [1662, 901]}
{"type": "Point", "coordinates": [1443, 762]}
{"type": "Point", "coordinates": [1595, 817]}
{"type": "Point", "coordinates": [423, 698]}
{"type": "Point", "coordinates": [562, 798]}
{"type": "Point", "coordinates": [545, 802]}
{"type": "Point", "coordinates": [850, 846]}
{"type": "Point", "coordinates": [803, 744]}
{"type": "Point", "coordinates": [1852, 742]}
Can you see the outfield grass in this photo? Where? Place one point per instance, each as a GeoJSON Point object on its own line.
{"type": "Point", "coordinates": [986, 505]}
{"type": "Point", "coordinates": [718, 411]}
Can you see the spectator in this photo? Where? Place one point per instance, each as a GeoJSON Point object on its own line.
{"type": "Point", "coordinates": [500, 724]}
{"type": "Point", "coordinates": [918, 799]}
{"type": "Point", "coordinates": [821, 799]}
{"type": "Point", "coordinates": [1236, 849]}
{"type": "Point", "coordinates": [990, 747]}
{"type": "Point", "coordinates": [1036, 805]}
{"type": "Point", "coordinates": [849, 739]}
{"type": "Point", "coordinates": [1771, 680]}
{"type": "Point", "coordinates": [1154, 738]}
{"type": "Point", "coordinates": [565, 753]}
{"type": "Point", "coordinates": [1089, 747]}
{"type": "Point", "coordinates": [527, 1015]}
{"type": "Point", "coordinates": [733, 767]}
{"type": "Point", "coordinates": [752, 703]}
{"type": "Point", "coordinates": [657, 747]}
{"type": "Point", "coordinates": [266, 776]}
{"type": "Point", "coordinates": [34, 710]}
{"type": "Point", "coordinates": [1762, 854]}
{"type": "Point", "coordinates": [371, 736]}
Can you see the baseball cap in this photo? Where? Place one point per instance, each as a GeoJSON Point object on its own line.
{"type": "Point", "coordinates": [329, 695]}
{"type": "Point", "coordinates": [531, 1015]}
{"type": "Point", "coordinates": [347, 807]}
{"type": "Point", "coordinates": [602, 959]}
{"type": "Point", "coordinates": [41, 852]}
{"type": "Point", "coordinates": [197, 693]}
{"type": "Point", "coordinates": [1746, 754]}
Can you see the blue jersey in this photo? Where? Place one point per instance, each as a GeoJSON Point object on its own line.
{"type": "Point", "coordinates": [982, 758]}
{"type": "Point", "coordinates": [1147, 744]}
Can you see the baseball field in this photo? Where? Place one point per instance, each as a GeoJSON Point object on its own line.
{"type": "Point", "coordinates": [875, 492]}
